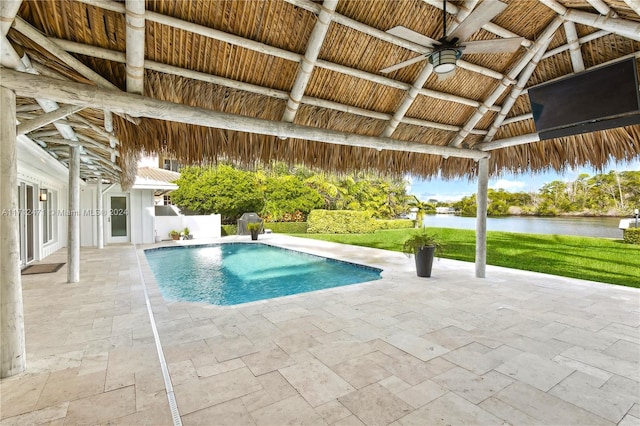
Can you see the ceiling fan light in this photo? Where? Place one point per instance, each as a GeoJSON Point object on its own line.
{"type": "Point", "coordinates": [444, 60]}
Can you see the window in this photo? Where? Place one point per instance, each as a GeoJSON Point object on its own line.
{"type": "Point", "coordinates": [167, 200]}
{"type": "Point", "coordinates": [170, 165]}
{"type": "Point", "coordinates": [48, 213]}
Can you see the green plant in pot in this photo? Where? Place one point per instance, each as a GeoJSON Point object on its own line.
{"type": "Point", "coordinates": [424, 247]}
{"type": "Point", "coordinates": [254, 228]}
{"type": "Point", "coordinates": [186, 233]}
{"type": "Point", "coordinates": [175, 235]}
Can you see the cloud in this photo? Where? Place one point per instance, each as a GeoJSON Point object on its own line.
{"type": "Point", "coordinates": [508, 185]}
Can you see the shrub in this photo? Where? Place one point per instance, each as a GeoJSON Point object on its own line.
{"type": "Point", "coordinates": [632, 236]}
{"type": "Point", "coordinates": [229, 230]}
{"type": "Point", "coordinates": [340, 222]}
{"type": "Point", "coordinates": [287, 227]}
{"type": "Point", "coordinates": [394, 223]}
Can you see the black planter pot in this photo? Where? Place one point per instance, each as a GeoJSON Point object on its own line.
{"type": "Point", "coordinates": [424, 260]}
{"type": "Point", "coordinates": [254, 235]}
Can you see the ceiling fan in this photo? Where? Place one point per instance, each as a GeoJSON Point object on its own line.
{"type": "Point", "coordinates": [448, 49]}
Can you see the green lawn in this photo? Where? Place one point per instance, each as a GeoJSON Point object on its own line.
{"type": "Point", "coordinates": [596, 259]}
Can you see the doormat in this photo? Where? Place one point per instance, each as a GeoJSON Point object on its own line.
{"type": "Point", "coordinates": [42, 268]}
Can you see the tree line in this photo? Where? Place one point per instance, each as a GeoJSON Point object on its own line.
{"type": "Point", "coordinates": [280, 193]}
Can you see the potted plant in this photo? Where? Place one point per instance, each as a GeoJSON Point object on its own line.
{"type": "Point", "coordinates": [186, 234]}
{"type": "Point", "coordinates": [175, 235]}
{"type": "Point", "coordinates": [423, 246]}
{"type": "Point", "coordinates": [254, 228]}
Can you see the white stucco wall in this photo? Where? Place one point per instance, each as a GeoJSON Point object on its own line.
{"type": "Point", "coordinates": [199, 226]}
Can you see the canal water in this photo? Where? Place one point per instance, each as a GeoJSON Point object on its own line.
{"type": "Point", "coordinates": [604, 227]}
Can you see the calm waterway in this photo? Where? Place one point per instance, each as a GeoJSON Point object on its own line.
{"type": "Point", "coordinates": [606, 227]}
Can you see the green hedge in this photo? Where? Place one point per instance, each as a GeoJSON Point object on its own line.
{"type": "Point", "coordinates": [394, 223]}
{"type": "Point", "coordinates": [229, 230]}
{"type": "Point", "coordinates": [340, 222]}
{"type": "Point", "coordinates": [632, 236]}
{"type": "Point", "coordinates": [287, 227]}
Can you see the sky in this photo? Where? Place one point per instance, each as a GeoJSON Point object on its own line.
{"type": "Point", "coordinates": [454, 190]}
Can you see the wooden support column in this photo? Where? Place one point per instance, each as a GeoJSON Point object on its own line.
{"type": "Point", "coordinates": [13, 355]}
{"type": "Point", "coordinates": [99, 216]}
{"type": "Point", "coordinates": [73, 233]}
{"type": "Point", "coordinates": [481, 217]}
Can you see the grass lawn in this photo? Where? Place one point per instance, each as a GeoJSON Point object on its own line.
{"type": "Point", "coordinates": [595, 259]}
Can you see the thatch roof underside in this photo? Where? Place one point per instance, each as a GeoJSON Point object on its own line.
{"type": "Point", "coordinates": [244, 57]}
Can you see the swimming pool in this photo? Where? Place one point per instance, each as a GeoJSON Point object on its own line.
{"type": "Point", "coordinates": [233, 273]}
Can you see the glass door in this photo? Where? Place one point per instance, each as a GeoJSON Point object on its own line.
{"type": "Point", "coordinates": [118, 215]}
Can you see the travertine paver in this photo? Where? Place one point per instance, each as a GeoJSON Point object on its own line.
{"type": "Point", "coordinates": [516, 348]}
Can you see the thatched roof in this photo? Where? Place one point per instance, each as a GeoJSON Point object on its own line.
{"type": "Point", "coordinates": [244, 57]}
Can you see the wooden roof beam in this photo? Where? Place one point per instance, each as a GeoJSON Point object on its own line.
{"type": "Point", "coordinates": [80, 94]}
{"type": "Point", "coordinates": [489, 26]}
{"type": "Point", "coordinates": [581, 40]}
{"type": "Point", "coordinates": [112, 55]}
{"type": "Point", "coordinates": [8, 12]}
{"type": "Point", "coordinates": [517, 89]}
{"type": "Point", "coordinates": [574, 46]}
{"type": "Point", "coordinates": [507, 81]}
{"type": "Point", "coordinates": [135, 45]}
{"type": "Point", "coordinates": [308, 61]}
{"type": "Point", "coordinates": [621, 27]}
{"type": "Point", "coordinates": [47, 118]}
{"type": "Point", "coordinates": [602, 8]}
{"type": "Point", "coordinates": [507, 142]}
{"type": "Point", "coordinates": [634, 4]}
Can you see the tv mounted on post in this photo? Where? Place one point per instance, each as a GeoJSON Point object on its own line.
{"type": "Point", "coordinates": [598, 99]}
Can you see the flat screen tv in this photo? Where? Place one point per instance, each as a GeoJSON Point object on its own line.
{"type": "Point", "coordinates": [599, 99]}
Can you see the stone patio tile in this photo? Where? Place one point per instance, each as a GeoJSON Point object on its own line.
{"type": "Point", "coordinates": [422, 394]}
{"type": "Point", "coordinates": [182, 372]}
{"type": "Point", "coordinates": [286, 315]}
{"type": "Point", "coordinates": [450, 337]}
{"type": "Point", "coordinates": [547, 349]}
{"type": "Point", "coordinates": [315, 382]}
{"type": "Point", "coordinates": [472, 387]}
{"type": "Point", "coordinates": [293, 411]}
{"type": "Point", "coordinates": [450, 409]}
{"type": "Point", "coordinates": [102, 407]}
{"type": "Point", "coordinates": [336, 352]}
{"type": "Point", "coordinates": [209, 391]}
{"type": "Point", "coordinates": [67, 385]}
{"type": "Point", "coordinates": [586, 339]}
{"type": "Point", "coordinates": [480, 359]}
{"type": "Point", "coordinates": [603, 361]}
{"type": "Point", "coordinates": [629, 420]}
{"type": "Point", "coordinates": [622, 331]}
{"type": "Point", "coordinates": [267, 360]}
{"type": "Point", "coordinates": [416, 346]}
{"type": "Point", "coordinates": [42, 416]}
{"type": "Point", "coordinates": [546, 408]}
{"type": "Point", "coordinates": [361, 371]}
{"type": "Point", "coordinates": [545, 332]}
{"type": "Point", "coordinates": [624, 386]}
{"type": "Point", "coordinates": [20, 394]}
{"type": "Point", "coordinates": [366, 332]}
{"type": "Point", "coordinates": [230, 413]}
{"type": "Point", "coordinates": [375, 405]}
{"type": "Point", "coordinates": [225, 348]}
{"type": "Point", "coordinates": [394, 384]}
{"type": "Point", "coordinates": [185, 351]}
{"type": "Point", "coordinates": [291, 343]}
{"type": "Point", "coordinates": [535, 371]}
{"type": "Point", "coordinates": [333, 411]}
{"type": "Point", "coordinates": [577, 390]}
{"type": "Point", "coordinates": [624, 349]}
{"type": "Point", "coordinates": [276, 386]}
{"type": "Point", "coordinates": [505, 411]}
{"type": "Point", "coordinates": [349, 421]}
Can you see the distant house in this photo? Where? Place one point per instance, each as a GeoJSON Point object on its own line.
{"type": "Point", "coordinates": [445, 210]}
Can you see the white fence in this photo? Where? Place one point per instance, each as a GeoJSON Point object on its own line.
{"type": "Point", "coordinates": [199, 226]}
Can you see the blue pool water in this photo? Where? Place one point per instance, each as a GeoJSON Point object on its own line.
{"type": "Point", "coordinates": [232, 273]}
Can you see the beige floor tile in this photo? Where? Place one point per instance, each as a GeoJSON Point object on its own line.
{"type": "Point", "coordinates": [315, 382]}
{"type": "Point", "coordinates": [333, 411]}
{"type": "Point", "coordinates": [230, 413]}
{"type": "Point", "coordinates": [67, 385]}
{"type": "Point", "coordinates": [42, 416]}
{"type": "Point", "coordinates": [20, 394]}
{"type": "Point", "coordinates": [450, 409]}
{"type": "Point", "coordinates": [294, 411]}
{"type": "Point", "coordinates": [535, 371]}
{"type": "Point", "coordinates": [102, 407]}
{"type": "Point", "coordinates": [375, 405]}
{"type": "Point", "coordinates": [361, 371]}
{"type": "Point", "coordinates": [267, 360]}
{"type": "Point", "coordinates": [470, 386]}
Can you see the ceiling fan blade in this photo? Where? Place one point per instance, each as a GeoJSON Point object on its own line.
{"type": "Point", "coordinates": [497, 45]}
{"type": "Point", "coordinates": [404, 64]}
{"type": "Point", "coordinates": [485, 12]}
{"type": "Point", "coordinates": [412, 36]}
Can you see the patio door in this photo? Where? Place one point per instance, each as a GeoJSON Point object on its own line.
{"type": "Point", "coordinates": [26, 223]}
{"type": "Point", "coordinates": [118, 219]}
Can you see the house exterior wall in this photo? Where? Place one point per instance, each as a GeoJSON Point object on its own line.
{"type": "Point", "coordinates": [38, 169]}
